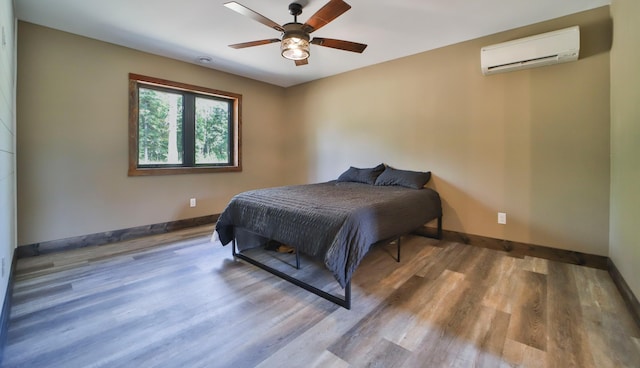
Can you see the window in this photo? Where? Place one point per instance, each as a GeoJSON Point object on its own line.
{"type": "Point", "coordinates": [176, 128]}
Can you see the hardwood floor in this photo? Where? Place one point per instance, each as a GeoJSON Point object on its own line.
{"type": "Point", "coordinates": [176, 300]}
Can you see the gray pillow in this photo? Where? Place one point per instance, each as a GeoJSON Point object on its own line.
{"type": "Point", "coordinates": [367, 176]}
{"type": "Point", "coordinates": [404, 178]}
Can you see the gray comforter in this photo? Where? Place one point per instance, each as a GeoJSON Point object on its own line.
{"type": "Point", "coordinates": [338, 221]}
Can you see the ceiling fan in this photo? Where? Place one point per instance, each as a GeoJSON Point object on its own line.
{"type": "Point", "coordinates": [295, 41]}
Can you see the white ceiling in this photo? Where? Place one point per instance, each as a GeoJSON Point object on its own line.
{"type": "Point", "coordinates": [188, 29]}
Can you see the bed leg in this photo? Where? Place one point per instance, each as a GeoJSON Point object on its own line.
{"type": "Point", "coordinates": [398, 257]}
{"type": "Point", "coordinates": [233, 247]}
{"type": "Point", "coordinates": [347, 295]}
{"type": "Point", "coordinates": [440, 227]}
{"type": "Point", "coordinates": [297, 259]}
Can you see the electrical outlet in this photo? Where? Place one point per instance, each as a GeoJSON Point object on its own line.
{"type": "Point", "coordinates": [192, 202]}
{"type": "Point", "coordinates": [502, 218]}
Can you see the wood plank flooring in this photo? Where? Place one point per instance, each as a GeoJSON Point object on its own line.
{"type": "Point", "coordinates": [178, 300]}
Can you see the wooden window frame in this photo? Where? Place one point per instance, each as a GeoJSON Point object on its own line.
{"type": "Point", "coordinates": [136, 80]}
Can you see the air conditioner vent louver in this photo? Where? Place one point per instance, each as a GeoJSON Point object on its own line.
{"type": "Point", "coordinates": [545, 49]}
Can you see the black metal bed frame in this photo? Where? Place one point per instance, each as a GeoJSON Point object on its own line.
{"type": "Point", "coordinates": [343, 302]}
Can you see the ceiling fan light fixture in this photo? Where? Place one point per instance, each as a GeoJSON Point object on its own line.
{"type": "Point", "coordinates": [295, 42]}
{"type": "Point", "coordinates": [294, 48]}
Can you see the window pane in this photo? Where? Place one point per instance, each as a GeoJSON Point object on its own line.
{"type": "Point", "coordinates": [212, 131]}
{"type": "Point", "coordinates": [159, 127]}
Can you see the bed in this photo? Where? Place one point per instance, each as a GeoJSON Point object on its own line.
{"type": "Point", "coordinates": [337, 221]}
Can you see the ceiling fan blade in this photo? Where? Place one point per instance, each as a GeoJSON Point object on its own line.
{"type": "Point", "coordinates": [238, 8]}
{"type": "Point", "coordinates": [302, 62]}
{"type": "Point", "coordinates": [330, 11]}
{"type": "Point", "coordinates": [339, 44]}
{"type": "Point", "coordinates": [254, 43]}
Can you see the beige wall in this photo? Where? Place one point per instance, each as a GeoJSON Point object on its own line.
{"type": "Point", "coordinates": [7, 144]}
{"type": "Point", "coordinates": [72, 139]}
{"type": "Point", "coordinates": [625, 141]}
{"type": "Point", "coordinates": [533, 143]}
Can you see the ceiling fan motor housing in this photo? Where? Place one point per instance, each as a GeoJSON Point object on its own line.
{"type": "Point", "coordinates": [294, 30]}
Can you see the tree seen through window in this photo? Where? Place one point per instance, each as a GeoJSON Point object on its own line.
{"type": "Point", "coordinates": [160, 127]}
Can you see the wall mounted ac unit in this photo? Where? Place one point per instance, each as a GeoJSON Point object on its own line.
{"type": "Point", "coordinates": [544, 49]}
